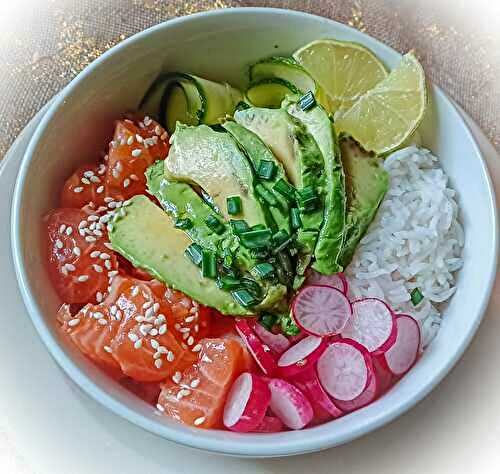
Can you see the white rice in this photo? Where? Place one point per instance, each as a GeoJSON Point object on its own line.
{"type": "Point", "coordinates": [415, 241]}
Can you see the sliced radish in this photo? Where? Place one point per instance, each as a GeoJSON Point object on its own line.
{"type": "Point", "coordinates": [278, 343]}
{"type": "Point", "coordinates": [324, 407]}
{"type": "Point", "coordinates": [246, 403]}
{"type": "Point", "coordinates": [372, 325]}
{"type": "Point", "coordinates": [369, 394]}
{"type": "Point", "coordinates": [401, 356]}
{"type": "Point", "coordinates": [270, 424]}
{"type": "Point", "coordinates": [260, 352]}
{"type": "Point", "coordinates": [384, 376]}
{"type": "Point", "coordinates": [298, 337]}
{"type": "Point", "coordinates": [344, 369]}
{"type": "Point", "coordinates": [301, 355]}
{"type": "Point", "coordinates": [321, 310]}
{"type": "Point", "coordinates": [289, 404]}
{"type": "Point", "coordinates": [337, 280]}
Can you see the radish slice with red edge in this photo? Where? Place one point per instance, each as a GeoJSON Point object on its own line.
{"type": "Point", "coordinates": [246, 403]}
{"type": "Point", "coordinates": [321, 310]}
{"type": "Point", "coordinates": [337, 280]}
{"type": "Point", "coordinates": [385, 378]}
{"type": "Point", "coordinates": [270, 424]}
{"type": "Point", "coordinates": [301, 356]}
{"type": "Point", "coordinates": [372, 324]}
{"type": "Point", "coordinates": [401, 356]}
{"type": "Point", "coordinates": [323, 406]}
{"type": "Point", "coordinates": [367, 396]}
{"type": "Point", "coordinates": [289, 404]}
{"type": "Point", "coordinates": [344, 369]}
{"type": "Point", "coordinates": [260, 352]}
{"type": "Point", "coordinates": [278, 343]}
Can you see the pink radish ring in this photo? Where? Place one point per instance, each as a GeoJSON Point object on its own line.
{"type": "Point", "coordinates": [337, 280]}
{"type": "Point", "coordinates": [301, 355]}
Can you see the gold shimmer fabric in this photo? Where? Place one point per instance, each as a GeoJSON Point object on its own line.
{"type": "Point", "coordinates": [45, 43]}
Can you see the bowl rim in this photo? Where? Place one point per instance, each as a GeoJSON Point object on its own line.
{"type": "Point", "coordinates": [196, 438]}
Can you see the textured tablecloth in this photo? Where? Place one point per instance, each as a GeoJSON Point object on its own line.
{"type": "Point", "coordinates": [45, 43]}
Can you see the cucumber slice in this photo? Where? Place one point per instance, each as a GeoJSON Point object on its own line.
{"type": "Point", "coordinates": [283, 68]}
{"type": "Point", "coordinates": [270, 92]}
{"type": "Point", "coordinates": [189, 99]}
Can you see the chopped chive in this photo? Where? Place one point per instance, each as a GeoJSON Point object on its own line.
{"type": "Point", "coordinates": [254, 239]}
{"type": "Point", "coordinates": [266, 170]}
{"type": "Point", "coordinates": [308, 199]}
{"type": "Point", "coordinates": [267, 195]}
{"type": "Point", "coordinates": [295, 218]}
{"type": "Point", "coordinates": [416, 296]}
{"type": "Point", "coordinates": [285, 189]}
{"type": "Point", "coordinates": [280, 237]}
{"type": "Point", "coordinates": [307, 101]}
{"type": "Point", "coordinates": [238, 226]}
{"type": "Point", "coordinates": [208, 264]}
{"type": "Point", "coordinates": [195, 253]}
{"type": "Point", "coordinates": [263, 270]}
{"type": "Point", "coordinates": [215, 224]}
{"type": "Point", "coordinates": [241, 106]}
{"type": "Point", "coordinates": [184, 224]}
{"type": "Point", "coordinates": [268, 321]}
{"type": "Point", "coordinates": [234, 205]}
{"type": "Point", "coordinates": [228, 283]}
{"type": "Point", "coordinates": [286, 262]}
{"type": "Point", "coordinates": [244, 298]}
{"type": "Point", "coordinates": [258, 227]}
{"type": "Point", "coordinates": [252, 286]}
{"type": "Point", "coordinates": [259, 254]}
{"type": "Point", "coordinates": [288, 327]}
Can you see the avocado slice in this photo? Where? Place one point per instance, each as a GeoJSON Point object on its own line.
{"type": "Point", "coordinates": [366, 184]}
{"type": "Point", "coordinates": [145, 235]}
{"type": "Point", "coordinates": [300, 155]}
{"type": "Point", "coordinates": [331, 236]}
{"type": "Point", "coordinates": [256, 151]}
{"type": "Point", "coordinates": [212, 160]}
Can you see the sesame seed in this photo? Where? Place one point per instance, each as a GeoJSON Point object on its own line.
{"type": "Point", "coordinates": [139, 138]}
{"type": "Point", "coordinates": [95, 253]}
{"type": "Point", "coordinates": [99, 190]}
{"type": "Point", "coordinates": [163, 350]}
{"type": "Point", "coordinates": [196, 328]}
{"type": "Point", "coordinates": [158, 363]}
{"type": "Point", "coordinates": [190, 341]}
{"type": "Point", "coordinates": [85, 181]}
{"type": "Point", "coordinates": [138, 344]}
{"type": "Point", "coordinates": [145, 328]}
{"type": "Point", "coordinates": [177, 326]}
{"type": "Point", "coordinates": [133, 337]}
{"type": "Point", "coordinates": [70, 267]}
{"type": "Point", "coordinates": [134, 291]}
{"type": "Point", "coordinates": [101, 170]}
{"type": "Point", "coordinates": [137, 152]}
{"type": "Point", "coordinates": [89, 238]}
{"type": "Point", "coordinates": [195, 383]}
{"type": "Point", "coordinates": [104, 256]}
{"type": "Point", "coordinates": [199, 421]}
{"type": "Point", "coordinates": [126, 183]}
{"type": "Point", "coordinates": [156, 355]}
{"type": "Point", "coordinates": [134, 177]}
{"type": "Point", "coordinates": [130, 140]}
{"type": "Point", "coordinates": [160, 408]}
{"type": "Point", "coordinates": [113, 309]}
{"type": "Point", "coordinates": [106, 157]}
{"type": "Point", "coordinates": [196, 348]}
{"type": "Point", "coordinates": [98, 233]}
{"type": "Point", "coordinates": [97, 268]}
{"type": "Point", "coordinates": [88, 174]}
{"type": "Point", "coordinates": [59, 244]}
{"type": "Point", "coordinates": [113, 273]}
{"type": "Point", "coordinates": [162, 330]}
{"type": "Point", "coordinates": [115, 173]}
{"type": "Point", "coordinates": [190, 319]}
{"type": "Point", "coordinates": [176, 378]}
{"type": "Point", "coordinates": [147, 120]}
{"type": "Point", "coordinates": [108, 245]}
{"type": "Point", "coordinates": [118, 315]}
{"type": "Point", "coordinates": [93, 218]}
{"type": "Point", "coordinates": [108, 349]}
{"type": "Point", "coordinates": [98, 296]}
{"type": "Point", "coordinates": [78, 189]}
{"type": "Point", "coordinates": [122, 141]}
{"type": "Point", "coordinates": [147, 305]}
{"type": "Point", "coordinates": [184, 330]}
{"type": "Point", "coordinates": [83, 278]}
{"type": "Point", "coordinates": [179, 395]}
{"type": "Point", "coordinates": [154, 343]}
{"type": "Point", "coordinates": [185, 392]}
{"type": "Point", "coordinates": [139, 319]}
{"type": "Point", "coordinates": [102, 322]}
{"type": "Point", "coordinates": [153, 332]}
{"type": "Point", "coordinates": [83, 224]}
{"type": "Point", "coordinates": [160, 319]}
{"type": "Point", "coordinates": [95, 179]}
{"type": "Point", "coordinates": [62, 228]}
{"type": "Point", "coordinates": [158, 130]}
{"type": "Point", "coordinates": [73, 322]}
{"type": "Point", "coordinates": [164, 136]}
{"type": "Point", "coordinates": [149, 312]}
{"type": "Point", "coordinates": [156, 307]}
{"type": "Point", "coordinates": [108, 199]}
{"type": "Point", "coordinates": [170, 356]}
{"type": "Point", "coordinates": [64, 271]}
{"type": "Point", "coordinates": [113, 144]}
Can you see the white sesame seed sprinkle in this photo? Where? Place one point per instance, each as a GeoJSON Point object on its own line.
{"type": "Point", "coordinates": [184, 330]}
{"type": "Point", "coordinates": [122, 141]}
{"type": "Point", "coordinates": [108, 245]}
{"type": "Point", "coordinates": [138, 344]}
{"type": "Point", "coordinates": [70, 267]}
{"type": "Point", "coordinates": [107, 264]}
{"type": "Point", "coordinates": [73, 322]}
{"type": "Point", "coordinates": [59, 244]}
{"type": "Point", "coordinates": [149, 312]}
{"type": "Point", "coordinates": [136, 153]}
{"type": "Point", "coordinates": [199, 421]}
{"type": "Point", "coordinates": [190, 341]}
{"type": "Point", "coordinates": [104, 256]}
{"type": "Point", "coordinates": [160, 408]}
{"type": "Point", "coordinates": [196, 348]}
{"type": "Point", "coordinates": [62, 228]}
{"type": "Point", "coordinates": [194, 383]}
{"type": "Point", "coordinates": [83, 278]}
{"type": "Point", "coordinates": [78, 189]}
{"type": "Point", "coordinates": [190, 319]}
{"type": "Point", "coordinates": [158, 363]}
{"type": "Point", "coordinates": [176, 378]}
{"type": "Point", "coordinates": [102, 322]}
{"type": "Point", "coordinates": [163, 350]}
{"type": "Point", "coordinates": [134, 177]}
{"type": "Point", "coordinates": [170, 356]}
{"type": "Point", "coordinates": [108, 199]}
{"type": "Point", "coordinates": [126, 182]}
{"type": "Point", "coordinates": [134, 291]}
{"type": "Point", "coordinates": [156, 355]}
{"type": "Point", "coordinates": [93, 218]}
{"type": "Point", "coordinates": [100, 190]}
{"type": "Point", "coordinates": [153, 332]}
{"type": "Point", "coordinates": [89, 238]}
{"type": "Point", "coordinates": [139, 138]}
{"type": "Point", "coordinates": [98, 296]}
{"type": "Point", "coordinates": [113, 144]}
{"type": "Point", "coordinates": [64, 271]}
{"type": "Point", "coordinates": [160, 319]}
{"type": "Point", "coordinates": [108, 349]}
{"type": "Point", "coordinates": [156, 307]}
{"type": "Point", "coordinates": [158, 130]}
{"type": "Point", "coordinates": [177, 326]}
{"type": "Point", "coordinates": [88, 174]}
{"type": "Point", "coordinates": [133, 337]}
{"type": "Point", "coordinates": [147, 121]}
{"type": "Point", "coordinates": [85, 181]}
{"type": "Point", "coordinates": [77, 251]}
{"type": "Point", "coordinates": [115, 173]}
{"type": "Point", "coordinates": [185, 392]}
{"type": "Point", "coordinates": [118, 315]}
{"type": "Point", "coordinates": [154, 343]}
{"type": "Point", "coordinates": [113, 273]}
{"type": "Point", "coordinates": [97, 268]}
{"type": "Point", "coordinates": [130, 140]}
{"type": "Point", "coordinates": [98, 233]}
{"type": "Point", "coordinates": [162, 330]}
{"type": "Point", "coordinates": [95, 179]}
{"type": "Point", "coordinates": [147, 305]}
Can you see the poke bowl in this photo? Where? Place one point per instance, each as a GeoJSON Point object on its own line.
{"type": "Point", "coordinates": [256, 232]}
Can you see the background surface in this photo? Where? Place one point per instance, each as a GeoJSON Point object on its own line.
{"type": "Point", "coordinates": [44, 44]}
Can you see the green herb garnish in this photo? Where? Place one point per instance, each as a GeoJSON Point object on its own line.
{"type": "Point", "coordinates": [234, 205]}
{"type": "Point", "coordinates": [255, 239]}
{"type": "Point", "coordinates": [307, 101]}
{"type": "Point", "coordinates": [263, 270]}
{"type": "Point", "coordinates": [266, 170]}
{"type": "Point", "coordinates": [285, 189]}
{"type": "Point", "coordinates": [267, 195]}
{"type": "Point", "coordinates": [268, 321]}
{"type": "Point", "coordinates": [416, 297]}
{"type": "Point", "coordinates": [238, 226]}
{"type": "Point", "coordinates": [308, 199]}
{"type": "Point", "coordinates": [295, 220]}
{"type": "Point", "coordinates": [244, 298]}
{"type": "Point", "coordinates": [288, 327]}
{"type": "Point", "coordinates": [228, 283]}
{"type": "Point", "coordinates": [194, 253]}
{"type": "Point", "coordinates": [213, 223]}
{"type": "Point", "coordinates": [208, 264]}
{"type": "Point", "coordinates": [184, 224]}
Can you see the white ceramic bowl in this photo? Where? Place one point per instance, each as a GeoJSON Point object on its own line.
{"type": "Point", "coordinates": [219, 45]}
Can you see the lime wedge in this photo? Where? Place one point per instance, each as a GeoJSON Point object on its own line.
{"type": "Point", "coordinates": [344, 71]}
{"type": "Point", "coordinates": [383, 118]}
